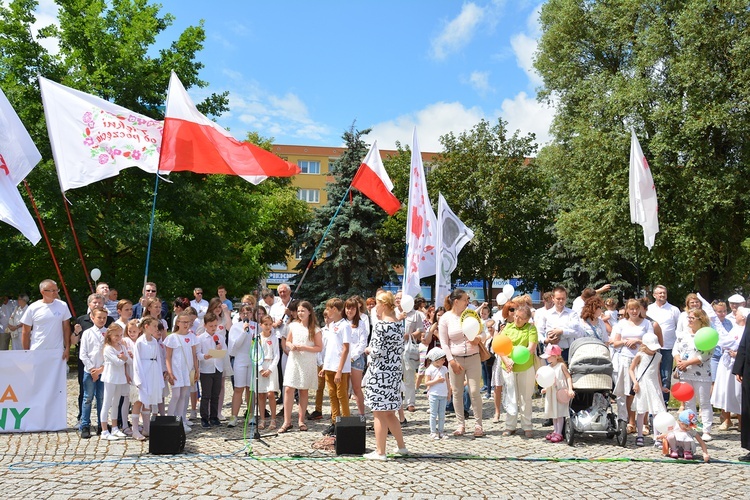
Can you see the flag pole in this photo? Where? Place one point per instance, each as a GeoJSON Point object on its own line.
{"type": "Point", "coordinates": [637, 265]}
{"type": "Point", "coordinates": [151, 229]}
{"type": "Point", "coordinates": [78, 245]}
{"type": "Point", "coordinates": [322, 239]}
{"type": "Point", "coordinates": [49, 246]}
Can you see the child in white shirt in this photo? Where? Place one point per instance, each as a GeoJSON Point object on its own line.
{"type": "Point", "coordinates": [436, 380]}
{"type": "Point", "coordinates": [336, 360]}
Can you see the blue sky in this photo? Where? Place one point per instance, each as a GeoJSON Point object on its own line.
{"type": "Point", "coordinates": [303, 71]}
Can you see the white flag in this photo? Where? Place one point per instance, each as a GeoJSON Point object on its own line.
{"type": "Point", "coordinates": [93, 139]}
{"type": "Point", "coordinates": [18, 155]}
{"type": "Point", "coordinates": [644, 209]}
{"type": "Point", "coordinates": [452, 235]}
{"type": "Point", "coordinates": [421, 230]}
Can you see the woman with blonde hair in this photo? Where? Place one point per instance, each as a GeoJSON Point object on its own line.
{"type": "Point", "coordinates": [382, 382]}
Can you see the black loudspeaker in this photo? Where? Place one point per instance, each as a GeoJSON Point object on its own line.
{"type": "Point", "coordinates": [167, 436]}
{"type": "Point", "coordinates": [350, 435]}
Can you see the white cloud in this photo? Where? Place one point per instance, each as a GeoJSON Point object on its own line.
{"type": "Point", "coordinates": [480, 81]}
{"type": "Point", "coordinates": [46, 14]}
{"type": "Point", "coordinates": [525, 44]}
{"type": "Point", "coordinates": [252, 108]}
{"type": "Point", "coordinates": [433, 121]}
{"type": "Point", "coordinates": [526, 114]}
{"type": "Point", "coordinates": [457, 33]}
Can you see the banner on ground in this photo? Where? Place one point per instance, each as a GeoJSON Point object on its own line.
{"type": "Point", "coordinates": [33, 391]}
{"type": "Point", "coordinates": [93, 139]}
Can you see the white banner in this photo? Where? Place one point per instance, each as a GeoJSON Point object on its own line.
{"type": "Point", "coordinates": [33, 391]}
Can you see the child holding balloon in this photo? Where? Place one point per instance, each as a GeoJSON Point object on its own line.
{"type": "Point", "coordinates": [557, 390]}
{"type": "Point", "coordinates": [682, 439]}
{"type": "Point", "coordinates": [694, 366]}
{"type": "Point", "coordinates": [647, 385]}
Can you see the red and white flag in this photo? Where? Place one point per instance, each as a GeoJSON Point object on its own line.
{"type": "Point", "coordinates": [194, 143]}
{"type": "Point", "coordinates": [644, 208]}
{"type": "Point", "coordinates": [18, 156]}
{"type": "Point", "coordinates": [93, 139]}
{"type": "Point", "coordinates": [373, 181]}
{"type": "Point", "coordinates": [421, 227]}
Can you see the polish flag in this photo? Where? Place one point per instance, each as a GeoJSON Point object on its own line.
{"type": "Point", "coordinates": [194, 143]}
{"type": "Point", "coordinates": [373, 181]}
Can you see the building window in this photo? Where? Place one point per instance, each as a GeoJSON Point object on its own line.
{"type": "Point", "coordinates": [309, 195]}
{"type": "Point", "coordinates": [309, 167]}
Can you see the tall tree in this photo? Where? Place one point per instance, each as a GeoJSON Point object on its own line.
{"type": "Point", "coordinates": [353, 258]}
{"type": "Point", "coordinates": [493, 186]}
{"type": "Point", "coordinates": [208, 229]}
{"type": "Point", "coordinates": [678, 73]}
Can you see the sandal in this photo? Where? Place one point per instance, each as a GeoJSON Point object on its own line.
{"type": "Point", "coordinates": [496, 419]}
{"type": "Point", "coordinates": [631, 429]}
{"type": "Point", "coordinates": [284, 428]}
{"type": "Point", "coordinates": [261, 425]}
{"type": "Point", "coordinates": [509, 433]}
{"type": "Point", "coordinates": [528, 434]}
{"type": "Point", "coordinates": [459, 432]}
{"type": "Point", "coordinates": [478, 432]}
{"type": "Point", "coordinates": [639, 441]}
{"type": "Point", "coordinates": [302, 427]}
{"type": "Point", "coordinates": [272, 425]}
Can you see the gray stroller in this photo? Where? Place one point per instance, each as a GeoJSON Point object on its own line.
{"type": "Point", "coordinates": [591, 412]}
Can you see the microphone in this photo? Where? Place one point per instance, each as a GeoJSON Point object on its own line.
{"type": "Point", "coordinates": [216, 339]}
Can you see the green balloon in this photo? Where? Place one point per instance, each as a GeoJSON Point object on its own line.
{"type": "Point", "coordinates": [706, 339]}
{"type": "Point", "coordinates": [520, 354]}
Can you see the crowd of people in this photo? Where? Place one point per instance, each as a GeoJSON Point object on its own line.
{"type": "Point", "coordinates": [144, 358]}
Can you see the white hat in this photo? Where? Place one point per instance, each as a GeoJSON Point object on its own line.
{"type": "Point", "coordinates": [651, 341]}
{"type": "Point", "coordinates": [435, 354]}
{"type": "Point", "coordinates": [736, 298]}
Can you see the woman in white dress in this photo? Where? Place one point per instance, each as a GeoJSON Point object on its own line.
{"type": "Point", "coordinates": [626, 340]}
{"type": "Point", "coordinates": [727, 392]}
{"type": "Point", "coordinates": [304, 341]}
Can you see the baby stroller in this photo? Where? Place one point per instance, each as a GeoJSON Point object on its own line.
{"type": "Point", "coordinates": [590, 410]}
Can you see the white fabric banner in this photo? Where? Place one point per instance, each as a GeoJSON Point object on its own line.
{"type": "Point", "coordinates": [33, 391]}
{"type": "Point", "coordinates": [452, 235]}
{"type": "Point", "coordinates": [644, 207]}
{"type": "Point", "coordinates": [421, 230]}
{"type": "Point", "coordinates": [93, 139]}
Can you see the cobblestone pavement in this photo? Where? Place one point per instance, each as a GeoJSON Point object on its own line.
{"type": "Point", "coordinates": [218, 464]}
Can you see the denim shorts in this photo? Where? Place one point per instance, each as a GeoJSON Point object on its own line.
{"type": "Point", "coordinates": [359, 363]}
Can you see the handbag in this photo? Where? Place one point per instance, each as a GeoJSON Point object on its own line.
{"type": "Point", "coordinates": [411, 350]}
{"type": "Point", "coordinates": [484, 353]}
{"type": "Point", "coordinates": [192, 370]}
{"type": "Point", "coordinates": [632, 390]}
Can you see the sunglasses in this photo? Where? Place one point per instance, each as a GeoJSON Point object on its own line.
{"type": "Point", "coordinates": [512, 309]}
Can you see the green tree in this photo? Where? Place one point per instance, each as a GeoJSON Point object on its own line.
{"type": "Point", "coordinates": [209, 230]}
{"type": "Point", "coordinates": [677, 72]}
{"type": "Point", "coordinates": [491, 184]}
{"type": "Point", "coordinates": [353, 258]}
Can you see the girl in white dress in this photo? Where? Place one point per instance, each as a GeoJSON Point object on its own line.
{"type": "Point", "coordinates": [268, 376]}
{"type": "Point", "coordinates": [148, 374]}
{"type": "Point", "coordinates": [553, 407]}
{"type": "Point", "coordinates": [181, 362]}
{"type": "Point", "coordinates": [304, 341]}
{"type": "Point", "coordinates": [626, 339]}
{"type": "Point", "coordinates": [115, 380]}
{"type": "Point", "coordinates": [647, 386]}
{"type": "Point", "coordinates": [133, 331]}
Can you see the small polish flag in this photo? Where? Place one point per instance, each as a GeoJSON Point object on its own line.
{"type": "Point", "coordinates": [373, 181]}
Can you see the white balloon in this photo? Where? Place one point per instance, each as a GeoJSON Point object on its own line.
{"type": "Point", "coordinates": [501, 299]}
{"type": "Point", "coordinates": [470, 327]}
{"type": "Point", "coordinates": [664, 422]}
{"type": "Point", "coordinates": [96, 274]}
{"type": "Point", "coordinates": [407, 303]}
{"type": "Point", "coordinates": [545, 376]}
{"type": "Point", "coordinates": [508, 290]}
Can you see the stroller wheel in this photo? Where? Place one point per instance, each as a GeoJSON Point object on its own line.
{"type": "Point", "coordinates": [569, 431]}
{"type": "Point", "coordinates": [622, 433]}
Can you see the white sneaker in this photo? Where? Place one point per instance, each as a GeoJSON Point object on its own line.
{"type": "Point", "coordinates": [401, 451]}
{"type": "Point", "coordinates": [117, 432]}
{"type": "Point", "coordinates": [104, 435]}
{"type": "Point", "coordinates": [232, 422]}
{"type": "Point", "coordinates": [187, 428]}
{"type": "Point", "coordinates": [374, 455]}
{"type": "Point", "coordinates": [188, 423]}
{"type": "Point", "coordinates": [706, 437]}
{"type": "Point", "coordinates": [194, 415]}
{"type": "Point", "coordinates": [444, 436]}
{"type": "Point", "coordinates": [434, 436]}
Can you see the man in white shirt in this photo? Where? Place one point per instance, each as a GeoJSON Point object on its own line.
{"type": "Point", "coordinates": [560, 324]}
{"type": "Point", "coordinates": [199, 304]}
{"type": "Point", "coordinates": [667, 316]}
{"type": "Point", "coordinates": [46, 323]}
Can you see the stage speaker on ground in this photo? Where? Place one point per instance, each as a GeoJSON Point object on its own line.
{"type": "Point", "coordinates": [350, 435]}
{"type": "Point", "coordinates": [167, 436]}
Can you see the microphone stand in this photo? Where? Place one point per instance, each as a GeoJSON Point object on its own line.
{"type": "Point", "coordinates": [257, 358]}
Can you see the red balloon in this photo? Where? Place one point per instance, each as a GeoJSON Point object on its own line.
{"type": "Point", "coordinates": [682, 392]}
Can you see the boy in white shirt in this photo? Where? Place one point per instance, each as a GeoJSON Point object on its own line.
{"type": "Point", "coordinates": [211, 370]}
{"type": "Point", "coordinates": [336, 362]}
{"type": "Point", "coordinates": [92, 357]}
